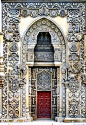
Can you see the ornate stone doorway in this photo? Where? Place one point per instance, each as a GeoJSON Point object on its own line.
{"type": "Point", "coordinates": [45, 55]}
{"type": "Point", "coordinates": [44, 79]}
{"type": "Point", "coordinates": [19, 91]}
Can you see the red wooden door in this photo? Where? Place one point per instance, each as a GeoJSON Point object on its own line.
{"type": "Point", "coordinates": [44, 104]}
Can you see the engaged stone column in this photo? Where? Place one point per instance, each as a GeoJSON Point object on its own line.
{"type": "Point", "coordinates": [27, 94]}
{"type": "Point", "coordinates": [21, 87]}
{"type": "Point", "coordinates": [1, 85]}
{"type": "Point", "coordinates": [66, 85]}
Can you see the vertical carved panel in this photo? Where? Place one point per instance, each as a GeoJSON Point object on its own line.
{"type": "Point", "coordinates": [24, 101]}
{"type": "Point", "coordinates": [54, 92]}
{"type": "Point", "coordinates": [4, 89]}
{"type": "Point", "coordinates": [63, 100]}
{"type": "Point", "coordinates": [76, 58]}
{"type": "Point", "coordinates": [13, 97]}
{"type": "Point", "coordinates": [33, 91]}
{"type": "Point", "coordinates": [11, 35]}
{"type": "Point", "coordinates": [29, 85]}
{"type": "Point", "coordinates": [58, 91]}
{"type": "Point", "coordinates": [83, 100]}
{"type": "Point", "coordinates": [74, 98]}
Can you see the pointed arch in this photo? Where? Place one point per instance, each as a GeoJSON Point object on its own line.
{"type": "Point", "coordinates": [30, 40]}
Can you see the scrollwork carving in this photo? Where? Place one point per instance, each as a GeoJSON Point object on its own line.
{"type": "Point", "coordinates": [74, 108]}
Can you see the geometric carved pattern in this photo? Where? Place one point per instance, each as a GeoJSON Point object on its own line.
{"type": "Point", "coordinates": [41, 57]}
{"type": "Point", "coordinates": [44, 81]}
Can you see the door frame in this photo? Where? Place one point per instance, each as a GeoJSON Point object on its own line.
{"type": "Point", "coordinates": [52, 117]}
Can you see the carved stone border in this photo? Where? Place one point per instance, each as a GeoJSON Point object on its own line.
{"type": "Point", "coordinates": [75, 13]}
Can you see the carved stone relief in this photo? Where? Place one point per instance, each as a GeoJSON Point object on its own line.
{"type": "Point", "coordinates": [43, 25]}
{"type": "Point", "coordinates": [75, 13]}
{"type": "Point", "coordinates": [73, 84]}
{"type": "Point", "coordinates": [44, 81]}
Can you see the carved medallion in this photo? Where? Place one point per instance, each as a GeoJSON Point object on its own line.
{"type": "Point", "coordinates": [13, 47]}
{"type": "Point", "coordinates": [73, 47]}
{"type": "Point", "coordinates": [73, 84]}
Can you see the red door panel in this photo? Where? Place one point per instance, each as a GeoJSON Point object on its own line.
{"type": "Point", "coordinates": [44, 104]}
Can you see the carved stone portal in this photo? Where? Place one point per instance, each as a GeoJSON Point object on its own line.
{"type": "Point", "coordinates": [68, 100]}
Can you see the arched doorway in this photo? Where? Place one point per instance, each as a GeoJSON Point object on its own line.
{"type": "Point", "coordinates": [46, 105]}
{"type": "Point", "coordinates": [56, 44]}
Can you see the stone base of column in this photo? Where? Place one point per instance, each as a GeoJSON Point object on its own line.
{"type": "Point", "coordinates": [22, 119]}
{"type": "Point", "coordinates": [59, 119]}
